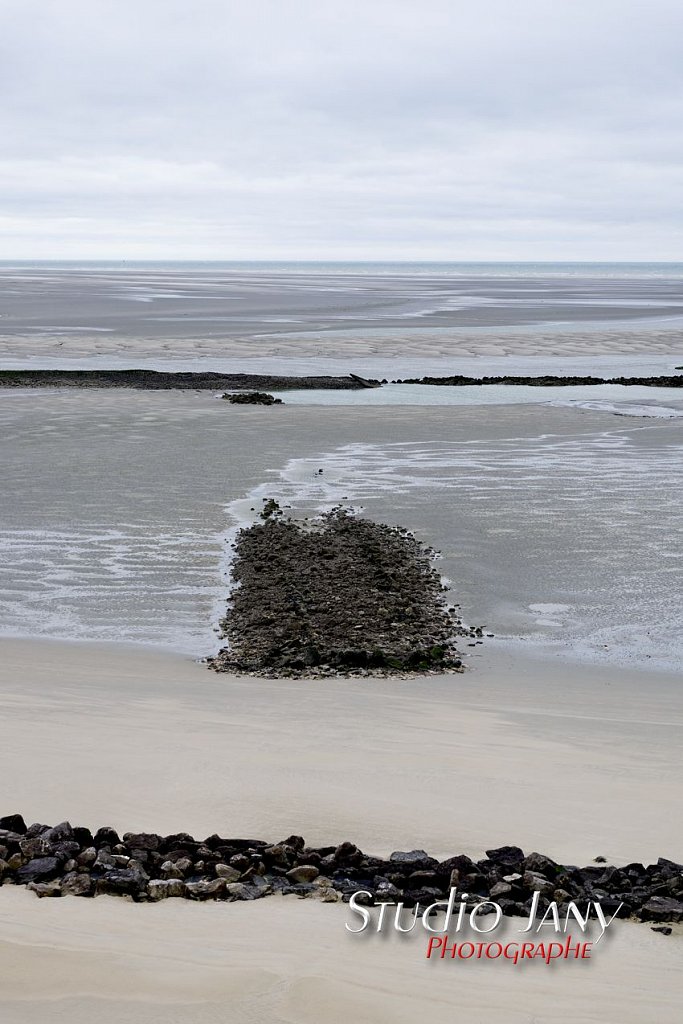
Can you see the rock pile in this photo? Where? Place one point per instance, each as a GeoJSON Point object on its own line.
{"type": "Point", "coordinates": [252, 398]}
{"type": "Point", "coordinates": [340, 595]}
{"type": "Point", "coordinates": [64, 860]}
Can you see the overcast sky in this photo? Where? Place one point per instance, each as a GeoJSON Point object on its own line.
{"type": "Point", "coordinates": [425, 129]}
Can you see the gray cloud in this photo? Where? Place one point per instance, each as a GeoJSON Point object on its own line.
{"type": "Point", "coordinates": [434, 129]}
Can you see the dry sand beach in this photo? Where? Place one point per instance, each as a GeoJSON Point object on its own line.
{"type": "Point", "coordinates": [164, 744]}
{"type": "Point", "coordinates": [557, 518]}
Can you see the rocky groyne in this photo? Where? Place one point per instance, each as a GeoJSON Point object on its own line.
{"type": "Point", "coordinates": [158, 380]}
{"type": "Point", "coordinates": [336, 595]}
{"type": "Point", "coordinates": [66, 860]}
{"type": "Point", "coordinates": [547, 381]}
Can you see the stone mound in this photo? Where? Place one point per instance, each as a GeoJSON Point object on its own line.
{"type": "Point", "coordinates": [337, 595]}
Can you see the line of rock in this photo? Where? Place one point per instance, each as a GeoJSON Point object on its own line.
{"type": "Point", "coordinates": [145, 867]}
{"type": "Point", "coordinates": [158, 380]}
{"type": "Point", "coordinates": [547, 381]}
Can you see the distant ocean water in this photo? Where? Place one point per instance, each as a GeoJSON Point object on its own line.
{"type": "Point", "coordinates": [176, 300]}
{"type": "Point", "coordinates": [455, 268]}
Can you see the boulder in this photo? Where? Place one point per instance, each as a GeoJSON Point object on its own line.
{"type": "Point", "coordinates": [414, 859]}
{"type": "Point", "coordinates": [205, 890]}
{"type": "Point", "coordinates": [227, 872]}
{"type": "Point", "coordinates": [240, 891]}
{"type": "Point", "coordinates": [662, 908]}
{"type": "Point", "coordinates": [13, 823]}
{"type": "Point", "coordinates": [303, 873]}
{"type": "Point", "coordinates": [506, 856]}
{"type": "Point", "coordinates": [76, 884]}
{"type": "Point", "coordinates": [157, 889]}
{"type": "Point", "coordinates": [121, 882]}
{"type": "Point", "coordinates": [61, 833]}
{"type": "Point", "coordinates": [45, 888]}
{"type": "Point", "coordinates": [106, 837]}
{"type": "Point", "coordinates": [537, 883]}
{"type": "Point", "coordinates": [326, 894]}
{"type": "Point", "coordinates": [40, 869]}
{"type": "Point", "coordinates": [141, 841]}
{"type": "Point", "coordinates": [541, 865]}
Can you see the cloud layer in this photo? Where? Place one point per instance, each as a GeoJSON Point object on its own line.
{"type": "Point", "coordinates": [540, 129]}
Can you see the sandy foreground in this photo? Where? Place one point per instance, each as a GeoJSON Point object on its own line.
{"type": "Point", "coordinates": [146, 740]}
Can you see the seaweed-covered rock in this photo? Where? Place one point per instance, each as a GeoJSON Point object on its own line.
{"type": "Point", "coordinates": [338, 595]}
{"type": "Point", "coordinates": [253, 398]}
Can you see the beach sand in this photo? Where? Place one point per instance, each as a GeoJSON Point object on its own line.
{"type": "Point", "coordinates": [572, 762]}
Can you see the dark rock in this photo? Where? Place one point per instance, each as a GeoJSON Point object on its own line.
{"type": "Point", "coordinates": [58, 834]}
{"type": "Point", "coordinates": [65, 851]}
{"type": "Point", "coordinates": [253, 398]}
{"type": "Point", "coordinates": [119, 882]}
{"type": "Point", "coordinates": [280, 854]}
{"type": "Point", "coordinates": [78, 885]}
{"type": "Point", "coordinates": [240, 891]}
{"type": "Point", "coordinates": [178, 841]}
{"type": "Point", "coordinates": [13, 823]}
{"type": "Point", "coordinates": [142, 841]}
{"type": "Point", "coordinates": [537, 883]}
{"type": "Point", "coordinates": [420, 879]}
{"type": "Point", "coordinates": [40, 869]}
{"type": "Point", "coordinates": [106, 837]}
{"type": "Point", "coordinates": [33, 847]}
{"type": "Point", "coordinates": [205, 890]}
{"type": "Point", "coordinates": [662, 908]}
{"type": "Point", "coordinates": [347, 854]}
{"type": "Point", "coordinates": [415, 859]}
{"type": "Point", "coordinates": [664, 863]}
{"type": "Point", "coordinates": [36, 829]}
{"type": "Point", "coordinates": [163, 380]}
{"type": "Point", "coordinates": [541, 865]}
{"type": "Point", "coordinates": [83, 836]}
{"type": "Point", "coordinates": [507, 856]}
{"type": "Point", "coordinates": [548, 380]}
{"type": "Point", "coordinates": [462, 864]}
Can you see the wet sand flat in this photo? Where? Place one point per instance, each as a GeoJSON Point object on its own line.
{"type": "Point", "coordinates": [125, 537]}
